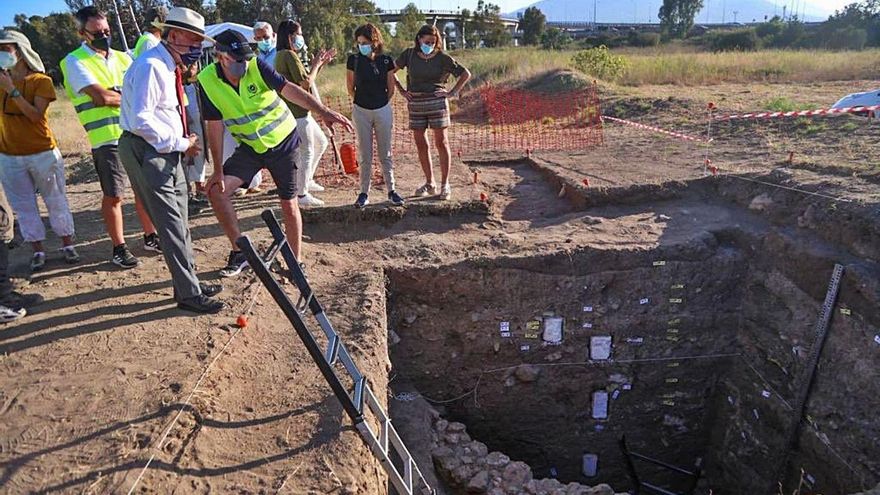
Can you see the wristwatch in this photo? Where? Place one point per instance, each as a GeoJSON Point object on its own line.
{"type": "Point", "coordinates": [15, 93]}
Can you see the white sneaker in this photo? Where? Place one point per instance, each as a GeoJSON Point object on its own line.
{"type": "Point", "coordinates": [309, 201]}
{"type": "Point", "coordinates": [11, 314]}
{"type": "Point", "coordinates": [315, 187]}
{"type": "Point", "coordinates": [445, 192]}
{"type": "Point", "coordinates": [426, 190]}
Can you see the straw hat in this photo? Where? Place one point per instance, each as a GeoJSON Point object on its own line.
{"type": "Point", "coordinates": [184, 19]}
{"type": "Point", "coordinates": [9, 36]}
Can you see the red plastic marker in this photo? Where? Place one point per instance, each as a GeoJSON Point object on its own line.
{"type": "Point", "coordinates": [587, 182]}
{"type": "Point", "coordinates": [242, 321]}
{"type": "Point", "coordinates": [484, 197]}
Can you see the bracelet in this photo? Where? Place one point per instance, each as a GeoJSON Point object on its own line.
{"type": "Point", "coordinates": [15, 93]}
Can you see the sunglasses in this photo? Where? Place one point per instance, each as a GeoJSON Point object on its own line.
{"type": "Point", "coordinates": [97, 34]}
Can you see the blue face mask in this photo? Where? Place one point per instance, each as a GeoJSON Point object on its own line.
{"type": "Point", "coordinates": [427, 49]}
{"type": "Point", "coordinates": [191, 56]}
{"type": "Point", "coordinates": [299, 42]}
{"type": "Point", "coordinates": [365, 50]}
{"type": "Point", "coordinates": [266, 46]}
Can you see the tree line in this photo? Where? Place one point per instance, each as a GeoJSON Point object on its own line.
{"type": "Point", "coordinates": [326, 23]}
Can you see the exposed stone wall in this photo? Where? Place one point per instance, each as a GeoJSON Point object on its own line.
{"type": "Point", "coordinates": [468, 467]}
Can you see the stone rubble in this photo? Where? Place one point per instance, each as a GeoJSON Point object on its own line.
{"type": "Point", "coordinates": [468, 467]}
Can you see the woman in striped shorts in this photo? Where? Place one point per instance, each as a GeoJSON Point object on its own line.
{"type": "Point", "coordinates": [428, 69]}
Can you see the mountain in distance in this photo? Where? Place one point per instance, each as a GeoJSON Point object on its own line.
{"type": "Point", "coordinates": [642, 11]}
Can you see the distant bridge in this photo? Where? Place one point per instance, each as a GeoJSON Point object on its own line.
{"type": "Point", "coordinates": [441, 18]}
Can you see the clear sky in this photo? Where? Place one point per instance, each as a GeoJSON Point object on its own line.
{"type": "Point", "coordinates": [8, 8]}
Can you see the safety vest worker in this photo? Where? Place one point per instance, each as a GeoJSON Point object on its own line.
{"type": "Point", "coordinates": [240, 93]}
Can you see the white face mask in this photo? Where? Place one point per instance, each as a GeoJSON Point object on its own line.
{"type": "Point", "coordinates": [7, 60]}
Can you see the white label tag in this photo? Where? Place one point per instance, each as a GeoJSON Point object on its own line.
{"type": "Point", "coordinates": [644, 301]}
{"type": "Point", "coordinates": [588, 309]}
{"type": "Point", "coordinates": [766, 394]}
{"type": "Point", "coordinates": [877, 338]}
{"type": "Point", "coordinates": [627, 386]}
{"type": "Point", "coordinates": [588, 325]}
{"type": "Point", "coordinates": [615, 395]}
{"type": "Point", "coordinates": [524, 347]}
{"type": "Point", "coordinates": [635, 340]}
{"type": "Point", "coordinates": [505, 334]}
{"type": "Point", "coordinates": [755, 412]}
{"type": "Point", "coordinates": [505, 325]}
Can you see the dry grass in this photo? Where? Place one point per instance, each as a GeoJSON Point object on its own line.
{"type": "Point", "coordinates": [69, 134]}
{"type": "Point", "coordinates": [781, 66]}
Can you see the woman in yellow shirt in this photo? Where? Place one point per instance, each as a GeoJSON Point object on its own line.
{"type": "Point", "coordinates": [29, 158]}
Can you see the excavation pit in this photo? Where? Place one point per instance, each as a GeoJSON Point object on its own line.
{"type": "Point", "coordinates": [694, 349]}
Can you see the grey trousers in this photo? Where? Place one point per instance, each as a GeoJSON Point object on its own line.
{"type": "Point", "coordinates": [366, 122]}
{"type": "Point", "coordinates": [159, 180]}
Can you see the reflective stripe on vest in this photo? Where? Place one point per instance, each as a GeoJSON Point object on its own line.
{"type": "Point", "coordinates": [254, 114]}
{"type": "Point", "coordinates": [100, 122]}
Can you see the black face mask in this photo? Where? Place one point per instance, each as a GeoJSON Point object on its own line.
{"type": "Point", "coordinates": [102, 43]}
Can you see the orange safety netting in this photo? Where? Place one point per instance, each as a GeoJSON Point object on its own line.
{"type": "Point", "coordinates": [489, 120]}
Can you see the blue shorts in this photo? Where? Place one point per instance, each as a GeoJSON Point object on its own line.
{"type": "Point", "coordinates": [245, 163]}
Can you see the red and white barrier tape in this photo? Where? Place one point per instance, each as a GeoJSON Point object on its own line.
{"type": "Point", "coordinates": [800, 113]}
{"type": "Point", "coordinates": [637, 125]}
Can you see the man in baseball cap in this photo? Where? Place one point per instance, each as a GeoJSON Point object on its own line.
{"type": "Point", "coordinates": [240, 92]}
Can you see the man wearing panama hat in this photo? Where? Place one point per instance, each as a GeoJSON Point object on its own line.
{"type": "Point", "coordinates": [154, 142]}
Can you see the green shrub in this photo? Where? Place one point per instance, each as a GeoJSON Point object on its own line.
{"type": "Point", "coordinates": [599, 63]}
{"type": "Point", "coordinates": [610, 40]}
{"type": "Point", "coordinates": [638, 39]}
{"type": "Point", "coordinates": [742, 40]}
{"type": "Point", "coordinates": [555, 39]}
{"type": "Point", "coordinates": [848, 38]}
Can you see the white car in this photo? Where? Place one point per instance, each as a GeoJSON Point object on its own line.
{"type": "Point", "coordinates": [866, 99]}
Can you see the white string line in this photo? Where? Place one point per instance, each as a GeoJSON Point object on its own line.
{"type": "Point", "coordinates": [186, 402]}
{"type": "Point", "coordinates": [813, 428]}
{"type": "Point", "coordinates": [812, 193]}
{"type": "Point", "coordinates": [767, 384]}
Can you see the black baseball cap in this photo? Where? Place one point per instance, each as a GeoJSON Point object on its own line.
{"type": "Point", "coordinates": [235, 44]}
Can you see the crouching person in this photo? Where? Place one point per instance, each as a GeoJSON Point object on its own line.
{"type": "Point", "coordinates": [241, 92]}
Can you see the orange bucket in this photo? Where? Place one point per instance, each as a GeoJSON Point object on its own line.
{"type": "Point", "coordinates": [348, 154]}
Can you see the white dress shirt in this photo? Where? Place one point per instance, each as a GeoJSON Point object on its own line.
{"type": "Point", "coordinates": [79, 77]}
{"type": "Point", "coordinates": [149, 102]}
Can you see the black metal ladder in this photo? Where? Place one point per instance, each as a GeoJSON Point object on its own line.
{"type": "Point", "coordinates": [360, 400]}
{"type": "Point", "coordinates": [641, 487]}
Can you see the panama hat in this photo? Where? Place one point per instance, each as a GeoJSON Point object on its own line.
{"type": "Point", "coordinates": [184, 19]}
{"type": "Point", "coordinates": [10, 36]}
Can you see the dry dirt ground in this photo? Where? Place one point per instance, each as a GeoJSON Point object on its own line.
{"type": "Point", "coordinates": [91, 379]}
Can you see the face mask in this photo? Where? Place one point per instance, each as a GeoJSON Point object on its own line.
{"type": "Point", "coordinates": [102, 43]}
{"type": "Point", "coordinates": [237, 69]}
{"type": "Point", "coordinates": [266, 46]}
{"type": "Point", "coordinates": [365, 50]}
{"type": "Point", "coordinates": [7, 60]}
{"type": "Point", "coordinates": [299, 42]}
{"type": "Point", "coordinates": [191, 56]}
{"type": "Point", "coordinates": [427, 49]}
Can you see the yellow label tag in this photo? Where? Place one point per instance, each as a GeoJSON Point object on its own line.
{"type": "Point", "coordinates": [531, 335]}
{"type": "Point", "coordinates": [677, 286]}
{"type": "Point", "coordinates": [533, 325]}
{"type": "Point", "coordinates": [675, 301]}
{"type": "Point", "coordinates": [668, 402]}
{"type": "Point", "coordinates": [673, 365]}
{"type": "Point", "coordinates": [672, 380]}
{"type": "Point", "coordinates": [672, 338]}
{"type": "Point", "coordinates": [660, 263]}
{"type": "Point", "coordinates": [672, 330]}
{"type": "Point", "coordinates": [674, 322]}
{"type": "Point", "coordinates": [845, 311]}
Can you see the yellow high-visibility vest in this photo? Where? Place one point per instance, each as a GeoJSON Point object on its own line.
{"type": "Point", "coordinates": [100, 122]}
{"type": "Point", "coordinates": [255, 114]}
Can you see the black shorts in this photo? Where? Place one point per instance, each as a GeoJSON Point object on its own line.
{"type": "Point", "coordinates": [245, 163]}
{"type": "Point", "coordinates": [111, 174]}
